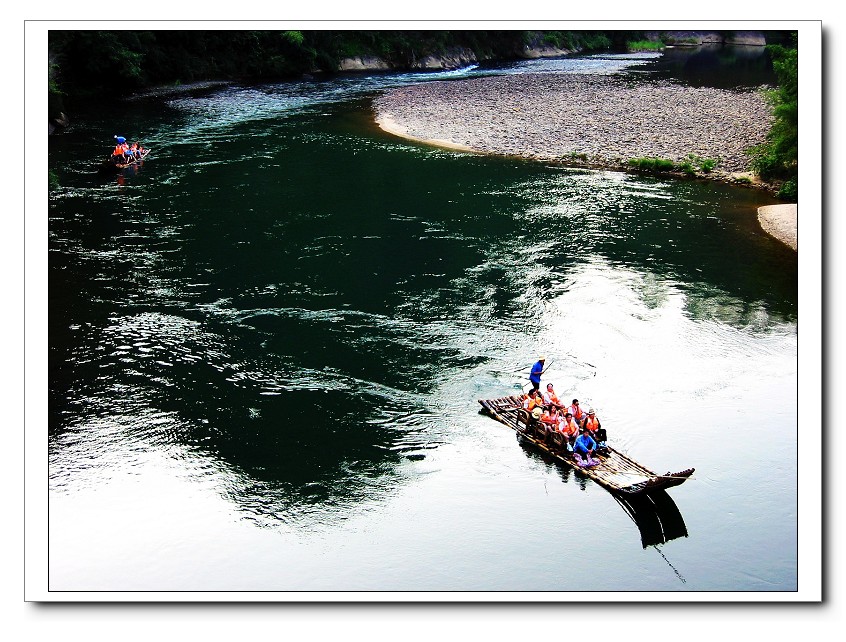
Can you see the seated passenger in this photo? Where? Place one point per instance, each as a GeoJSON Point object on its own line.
{"type": "Point", "coordinates": [533, 404]}
{"type": "Point", "coordinates": [596, 431]}
{"type": "Point", "coordinates": [551, 399]}
{"type": "Point", "coordinates": [578, 414]}
{"type": "Point", "coordinates": [570, 429]}
{"type": "Point", "coordinates": [550, 417]}
{"type": "Point", "coordinates": [591, 423]}
{"type": "Point", "coordinates": [583, 450]}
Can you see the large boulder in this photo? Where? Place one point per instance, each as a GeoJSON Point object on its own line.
{"type": "Point", "coordinates": [58, 122]}
{"type": "Point", "coordinates": [543, 51]}
{"type": "Point", "coordinates": [363, 63]}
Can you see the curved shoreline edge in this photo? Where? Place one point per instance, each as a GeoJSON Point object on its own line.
{"type": "Point", "coordinates": [780, 222]}
{"type": "Point", "coordinates": [391, 126]}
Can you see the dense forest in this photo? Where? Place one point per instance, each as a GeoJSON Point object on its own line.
{"type": "Point", "coordinates": [86, 65]}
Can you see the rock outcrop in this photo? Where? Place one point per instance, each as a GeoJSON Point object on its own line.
{"type": "Point", "coordinates": [695, 38]}
{"type": "Point", "coordinates": [363, 63]}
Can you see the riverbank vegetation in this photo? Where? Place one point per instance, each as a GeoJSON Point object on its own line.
{"type": "Point", "coordinates": [690, 166]}
{"type": "Point", "coordinates": [778, 158]}
{"type": "Point", "coordinates": [87, 64]}
{"type": "Point", "coordinates": [644, 45]}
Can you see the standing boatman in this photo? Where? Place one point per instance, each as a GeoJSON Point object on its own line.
{"type": "Point", "coordinates": [537, 371]}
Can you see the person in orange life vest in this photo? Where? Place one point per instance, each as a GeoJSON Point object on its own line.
{"type": "Point", "coordinates": [570, 429]}
{"type": "Point", "coordinates": [534, 404]}
{"type": "Point", "coordinates": [591, 423]}
{"type": "Point", "coordinates": [596, 431]}
{"type": "Point", "coordinates": [120, 146]}
{"type": "Point", "coordinates": [578, 414]}
{"type": "Point", "coordinates": [550, 417]}
{"type": "Point", "coordinates": [551, 399]}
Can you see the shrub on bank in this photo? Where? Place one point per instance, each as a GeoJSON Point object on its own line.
{"type": "Point", "coordinates": [777, 160]}
{"type": "Point", "coordinates": [644, 45]}
{"type": "Point", "coordinates": [649, 164]}
{"type": "Point", "coordinates": [690, 166]}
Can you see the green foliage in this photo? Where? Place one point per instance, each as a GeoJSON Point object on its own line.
{"type": "Point", "coordinates": [707, 164]}
{"type": "Point", "coordinates": [296, 38]}
{"type": "Point", "coordinates": [690, 165]}
{"type": "Point", "coordinates": [687, 168]}
{"type": "Point", "coordinates": [650, 164]}
{"type": "Point", "coordinates": [644, 45]}
{"type": "Point", "coordinates": [777, 159]}
{"type": "Point", "coordinates": [789, 190]}
{"type": "Point", "coordinates": [574, 40]}
{"type": "Point", "coordinates": [694, 163]}
{"type": "Point", "coordinates": [55, 96]}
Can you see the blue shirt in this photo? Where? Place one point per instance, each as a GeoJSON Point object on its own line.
{"type": "Point", "coordinates": [584, 444]}
{"type": "Point", "coordinates": [537, 370]}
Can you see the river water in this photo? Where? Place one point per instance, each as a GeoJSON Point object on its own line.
{"type": "Point", "coordinates": [267, 344]}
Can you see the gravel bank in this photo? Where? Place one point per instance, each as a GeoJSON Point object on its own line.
{"type": "Point", "coordinates": [597, 121]}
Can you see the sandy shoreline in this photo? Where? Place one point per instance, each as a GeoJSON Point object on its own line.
{"type": "Point", "coordinates": [780, 221]}
{"type": "Point", "coordinates": [595, 121]}
{"type": "Point", "coordinates": [391, 126]}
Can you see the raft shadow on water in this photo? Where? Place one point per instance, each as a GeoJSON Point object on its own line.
{"type": "Point", "coordinates": [656, 515]}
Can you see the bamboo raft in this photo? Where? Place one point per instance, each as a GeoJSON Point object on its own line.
{"type": "Point", "coordinates": [110, 165]}
{"type": "Point", "coordinates": [616, 472]}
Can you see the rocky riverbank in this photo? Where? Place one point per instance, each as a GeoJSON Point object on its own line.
{"type": "Point", "coordinates": [583, 120]}
{"type": "Point", "coordinates": [451, 58]}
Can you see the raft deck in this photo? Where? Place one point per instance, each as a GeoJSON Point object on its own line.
{"type": "Point", "coordinates": [616, 472]}
{"type": "Point", "coordinates": [110, 166]}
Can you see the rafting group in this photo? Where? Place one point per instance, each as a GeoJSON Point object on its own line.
{"type": "Point", "coordinates": [125, 154]}
{"type": "Point", "coordinates": [576, 431]}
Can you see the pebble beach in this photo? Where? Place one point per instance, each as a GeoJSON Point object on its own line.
{"type": "Point", "coordinates": [602, 119]}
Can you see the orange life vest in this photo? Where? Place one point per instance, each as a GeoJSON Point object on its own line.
{"type": "Point", "coordinates": [569, 427]}
{"type": "Point", "coordinates": [592, 423]}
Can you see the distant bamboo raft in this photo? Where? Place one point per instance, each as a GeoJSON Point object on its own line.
{"type": "Point", "coordinates": [616, 472]}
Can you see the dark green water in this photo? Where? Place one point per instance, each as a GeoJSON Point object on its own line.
{"type": "Point", "coordinates": [266, 347]}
